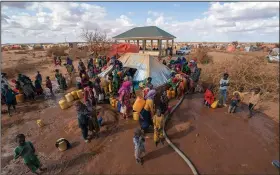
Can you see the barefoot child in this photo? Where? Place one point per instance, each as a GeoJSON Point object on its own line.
{"type": "Point", "coordinates": [158, 128]}
{"type": "Point", "coordinates": [254, 100]}
{"type": "Point", "coordinates": [233, 103]}
{"type": "Point", "coordinates": [26, 150]}
{"type": "Point", "coordinates": [139, 145]}
{"type": "Point", "coordinates": [224, 83]}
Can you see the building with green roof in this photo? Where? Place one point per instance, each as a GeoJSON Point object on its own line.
{"type": "Point", "coordinates": [147, 33]}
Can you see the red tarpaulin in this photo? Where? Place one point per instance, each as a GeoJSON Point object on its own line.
{"type": "Point", "coordinates": [230, 48]}
{"type": "Point", "coordinates": [122, 49]}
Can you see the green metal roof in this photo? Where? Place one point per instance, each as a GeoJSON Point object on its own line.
{"type": "Point", "coordinates": [145, 32]}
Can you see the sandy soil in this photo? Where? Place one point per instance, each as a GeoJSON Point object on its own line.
{"type": "Point", "coordinates": [221, 143]}
{"type": "Point", "coordinates": [113, 152]}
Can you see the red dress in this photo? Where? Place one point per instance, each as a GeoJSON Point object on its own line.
{"type": "Point", "coordinates": [209, 96]}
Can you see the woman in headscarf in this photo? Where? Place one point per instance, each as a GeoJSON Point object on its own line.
{"type": "Point", "coordinates": [164, 102]}
{"type": "Point", "coordinates": [84, 80]}
{"type": "Point", "coordinates": [90, 63]}
{"type": "Point", "coordinates": [149, 83]}
{"type": "Point", "coordinates": [194, 76]}
{"type": "Point", "coordinates": [116, 82]}
{"type": "Point", "coordinates": [148, 111]}
{"type": "Point", "coordinates": [62, 82]}
{"type": "Point", "coordinates": [89, 94]}
{"type": "Point", "coordinates": [10, 98]}
{"type": "Point", "coordinates": [93, 124]}
{"type": "Point", "coordinates": [83, 118]}
{"type": "Point", "coordinates": [97, 87]}
{"type": "Point", "coordinates": [39, 77]}
{"type": "Point", "coordinates": [124, 98]}
{"type": "Point", "coordinates": [27, 86]}
{"type": "Point", "coordinates": [38, 87]}
{"type": "Point", "coordinates": [81, 68]}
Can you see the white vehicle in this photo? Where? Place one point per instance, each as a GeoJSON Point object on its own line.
{"type": "Point", "coordinates": [183, 51]}
{"type": "Point", "coordinates": [273, 55]}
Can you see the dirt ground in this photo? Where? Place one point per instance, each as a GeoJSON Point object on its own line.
{"type": "Point", "coordinates": [220, 143]}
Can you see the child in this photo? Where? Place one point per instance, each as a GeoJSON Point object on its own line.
{"type": "Point", "coordinates": [26, 150]}
{"type": "Point", "coordinates": [233, 103]}
{"type": "Point", "coordinates": [241, 93]}
{"type": "Point", "coordinates": [158, 127]}
{"type": "Point", "coordinates": [139, 145]}
{"type": "Point", "coordinates": [49, 84]}
{"type": "Point", "coordinates": [224, 83]}
{"type": "Point", "coordinates": [38, 87]}
{"type": "Point", "coordinates": [209, 96]}
{"type": "Point", "coordinates": [254, 100]}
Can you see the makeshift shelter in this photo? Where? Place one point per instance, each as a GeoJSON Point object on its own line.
{"type": "Point", "coordinates": [147, 33]}
{"type": "Point", "coordinates": [123, 48]}
{"type": "Point", "coordinates": [144, 66]}
{"type": "Point", "coordinates": [230, 48]}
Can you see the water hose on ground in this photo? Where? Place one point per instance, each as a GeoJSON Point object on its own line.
{"type": "Point", "coordinates": [181, 154]}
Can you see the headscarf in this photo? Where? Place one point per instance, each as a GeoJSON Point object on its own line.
{"type": "Point", "coordinates": [151, 94]}
{"type": "Point", "coordinates": [125, 86]}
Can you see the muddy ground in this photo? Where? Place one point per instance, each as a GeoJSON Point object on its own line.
{"type": "Point", "coordinates": [216, 142]}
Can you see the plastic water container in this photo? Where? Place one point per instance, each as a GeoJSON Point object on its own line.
{"type": "Point", "coordinates": [69, 98]}
{"type": "Point", "coordinates": [63, 104]}
{"type": "Point", "coordinates": [214, 104]}
{"type": "Point", "coordinates": [20, 98]}
{"type": "Point", "coordinates": [139, 104]}
{"type": "Point", "coordinates": [80, 94]}
{"type": "Point", "coordinates": [169, 94]}
{"type": "Point", "coordinates": [136, 116]}
{"type": "Point", "coordinates": [62, 146]}
{"type": "Point", "coordinates": [74, 94]}
{"type": "Point", "coordinates": [40, 123]}
{"type": "Point", "coordinates": [173, 94]}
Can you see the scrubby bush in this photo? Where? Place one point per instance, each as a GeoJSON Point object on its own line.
{"type": "Point", "coordinates": [201, 54]}
{"type": "Point", "coordinates": [245, 71]}
{"type": "Point", "coordinates": [57, 51]}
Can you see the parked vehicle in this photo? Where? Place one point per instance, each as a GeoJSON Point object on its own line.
{"type": "Point", "coordinates": [183, 51]}
{"type": "Point", "coordinates": [273, 55]}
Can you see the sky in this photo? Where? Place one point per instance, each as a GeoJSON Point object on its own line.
{"type": "Point", "coordinates": [52, 22]}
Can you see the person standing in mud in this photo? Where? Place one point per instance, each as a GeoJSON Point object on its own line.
{"type": "Point", "coordinates": [49, 85]}
{"type": "Point", "coordinates": [254, 100]}
{"type": "Point", "coordinates": [224, 83]}
{"type": "Point", "coordinates": [27, 86]}
{"type": "Point", "coordinates": [93, 125]}
{"type": "Point", "coordinates": [83, 118]}
{"type": "Point", "coordinates": [158, 127]}
{"type": "Point", "coordinates": [39, 77]}
{"type": "Point", "coordinates": [26, 150]}
{"type": "Point", "coordinates": [147, 112]}
{"type": "Point", "coordinates": [57, 76]}
{"type": "Point", "coordinates": [10, 98]}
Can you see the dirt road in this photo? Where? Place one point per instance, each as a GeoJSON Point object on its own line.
{"type": "Point", "coordinates": [220, 143]}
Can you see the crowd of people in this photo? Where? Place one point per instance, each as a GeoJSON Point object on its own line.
{"type": "Point", "coordinates": [184, 78]}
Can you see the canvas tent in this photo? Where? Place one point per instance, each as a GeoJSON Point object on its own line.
{"type": "Point", "coordinates": [146, 66]}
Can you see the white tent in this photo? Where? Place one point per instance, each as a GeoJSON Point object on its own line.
{"type": "Point", "coordinates": [146, 65]}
